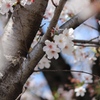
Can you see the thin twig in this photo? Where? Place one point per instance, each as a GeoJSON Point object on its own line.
{"type": "Point", "coordinates": [67, 71]}
{"type": "Point", "coordinates": [54, 3]}
{"type": "Point", "coordinates": [86, 42]}
{"type": "Point", "coordinates": [86, 45]}
{"type": "Point", "coordinates": [24, 89]}
{"type": "Point", "coordinates": [90, 26]}
{"type": "Point", "coordinates": [93, 38]}
{"type": "Point", "coordinates": [42, 25]}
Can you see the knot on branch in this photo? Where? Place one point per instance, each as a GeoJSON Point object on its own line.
{"type": "Point", "coordinates": [15, 60]}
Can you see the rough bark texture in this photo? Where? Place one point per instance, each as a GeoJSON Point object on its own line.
{"type": "Point", "coordinates": [15, 43]}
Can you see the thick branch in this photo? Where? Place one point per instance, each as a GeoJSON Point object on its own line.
{"type": "Point", "coordinates": [37, 53]}
{"type": "Point", "coordinates": [78, 19]}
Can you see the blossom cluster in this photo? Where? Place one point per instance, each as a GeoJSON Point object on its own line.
{"type": "Point", "coordinates": [7, 5]}
{"type": "Point", "coordinates": [62, 43]}
{"type": "Point", "coordinates": [81, 89]}
{"type": "Point", "coordinates": [43, 63]}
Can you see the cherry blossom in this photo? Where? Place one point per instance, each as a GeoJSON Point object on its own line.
{"type": "Point", "coordinates": [80, 91]}
{"type": "Point", "coordinates": [78, 54]}
{"type": "Point", "coordinates": [87, 78]}
{"type": "Point", "coordinates": [64, 41]}
{"type": "Point", "coordinates": [60, 40]}
{"type": "Point", "coordinates": [68, 49]}
{"type": "Point", "coordinates": [7, 5]}
{"type": "Point", "coordinates": [26, 2]}
{"type": "Point", "coordinates": [43, 63]}
{"type": "Point", "coordinates": [53, 54]}
{"type": "Point", "coordinates": [51, 49]}
{"type": "Point", "coordinates": [69, 33]}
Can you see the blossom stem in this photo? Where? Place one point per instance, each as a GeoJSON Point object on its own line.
{"type": "Point", "coordinates": [54, 3]}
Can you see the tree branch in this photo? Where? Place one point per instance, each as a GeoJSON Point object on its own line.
{"type": "Point", "coordinates": [68, 71]}
{"type": "Point", "coordinates": [37, 53]}
{"type": "Point", "coordinates": [54, 3]}
{"type": "Point", "coordinates": [86, 42]}
{"type": "Point", "coordinates": [78, 19]}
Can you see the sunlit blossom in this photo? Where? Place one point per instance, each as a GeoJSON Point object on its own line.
{"type": "Point", "coordinates": [43, 63]}
{"type": "Point", "coordinates": [80, 91]}
{"type": "Point", "coordinates": [60, 40]}
{"type": "Point", "coordinates": [87, 78]}
{"type": "Point", "coordinates": [69, 33]}
{"type": "Point", "coordinates": [7, 5]}
{"type": "Point", "coordinates": [51, 49]}
{"type": "Point", "coordinates": [68, 49]}
{"type": "Point", "coordinates": [26, 2]}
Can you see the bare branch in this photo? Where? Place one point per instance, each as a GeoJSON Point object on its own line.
{"type": "Point", "coordinates": [78, 19]}
{"type": "Point", "coordinates": [68, 71]}
{"type": "Point", "coordinates": [86, 42]}
{"type": "Point", "coordinates": [54, 3]}
{"type": "Point", "coordinates": [87, 45]}
{"type": "Point", "coordinates": [94, 38]}
{"type": "Point", "coordinates": [90, 26]}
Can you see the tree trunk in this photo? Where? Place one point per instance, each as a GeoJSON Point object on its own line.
{"type": "Point", "coordinates": [15, 42]}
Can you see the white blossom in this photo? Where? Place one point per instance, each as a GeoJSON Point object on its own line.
{"type": "Point", "coordinates": [87, 78]}
{"type": "Point", "coordinates": [52, 54]}
{"type": "Point", "coordinates": [43, 63]}
{"type": "Point", "coordinates": [69, 33]}
{"type": "Point", "coordinates": [26, 2]}
{"type": "Point", "coordinates": [78, 54]}
{"type": "Point", "coordinates": [68, 49]}
{"type": "Point", "coordinates": [7, 5]}
{"type": "Point", "coordinates": [80, 91]}
{"type": "Point", "coordinates": [60, 40]}
{"type": "Point", "coordinates": [51, 49]}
